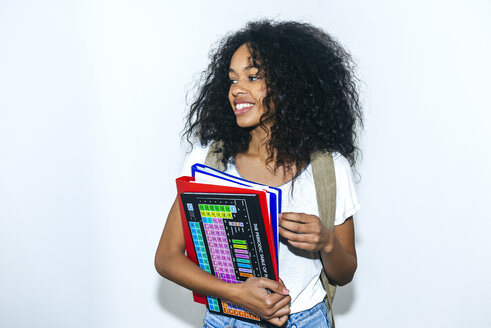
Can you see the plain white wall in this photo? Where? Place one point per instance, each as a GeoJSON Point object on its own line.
{"type": "Point", "coordinates": [92, 98]}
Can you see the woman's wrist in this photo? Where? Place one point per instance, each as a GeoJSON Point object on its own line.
{"type": "Point", "coordinates": [231, 292]}
{"type": "Point", "coordinates": [331, 242]}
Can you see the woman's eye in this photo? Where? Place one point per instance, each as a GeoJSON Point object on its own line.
{"type": "Point", "coordinates": [253, 78]}
{"type": "Point", "coordinates": [232, 81]}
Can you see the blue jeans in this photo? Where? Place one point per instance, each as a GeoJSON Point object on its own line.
{"type": "Point", "coordinates": [316, 317]}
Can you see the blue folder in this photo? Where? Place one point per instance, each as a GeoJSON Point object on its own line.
{"type": "Point", "coordinates": [273, 193]}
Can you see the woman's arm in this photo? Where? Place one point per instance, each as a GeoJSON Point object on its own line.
{"type": "Point", "coordinates": [173, 264]}
{"type": "Point", "coordinates": [337, 248]}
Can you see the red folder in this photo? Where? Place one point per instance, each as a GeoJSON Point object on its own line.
{"type": "Point", "coordinates": [186, 184]}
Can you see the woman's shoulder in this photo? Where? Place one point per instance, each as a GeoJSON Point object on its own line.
{"type": "Point", "coordinates": [342, 167]}
{"type": "Point", "coordinates": [340, 161]}
{"type": "Point", "coordinates": [346, 198]}
{"type": "Point", "coordinates": [197, 150]}
{"type": "Point", "coordinates": [196, 154]}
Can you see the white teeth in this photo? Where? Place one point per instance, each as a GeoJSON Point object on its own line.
{"type": "Point", "coordinates": [243, 105]}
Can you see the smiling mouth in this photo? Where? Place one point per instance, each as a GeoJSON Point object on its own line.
{"type": "Point", "coordinates": [243, 106]}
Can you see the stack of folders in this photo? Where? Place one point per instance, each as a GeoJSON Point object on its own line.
{"type": "Point", "coordinates": [231, 230]}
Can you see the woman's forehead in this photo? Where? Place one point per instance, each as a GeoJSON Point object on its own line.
{"type": "Point", "coordinates": [242, 60]}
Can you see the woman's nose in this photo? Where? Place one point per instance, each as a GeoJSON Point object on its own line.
{"type": "Point", "coordinates": [237, 89]}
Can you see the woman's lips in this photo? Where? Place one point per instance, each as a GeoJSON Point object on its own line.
{"type": "Point", "coordinates": [242, 107]}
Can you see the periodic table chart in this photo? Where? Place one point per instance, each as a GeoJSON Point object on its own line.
{"type": "Point", "coordinates": [229, 241]}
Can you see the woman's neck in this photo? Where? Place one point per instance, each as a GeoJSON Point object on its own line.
{"type": "Point", "coordinates": [258, 144]}
{"type": "Point", "coordinates": [253, 164]}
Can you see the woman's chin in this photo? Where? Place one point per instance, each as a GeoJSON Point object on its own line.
{"type": "Point", "coordinates": [246, 123]}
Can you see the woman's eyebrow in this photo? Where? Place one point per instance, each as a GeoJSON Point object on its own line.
{"type": "Point", "coordinates": [231, 70]}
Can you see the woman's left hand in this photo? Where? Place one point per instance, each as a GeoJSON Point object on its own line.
{"type": "Point", "coordinates": [306, 232]}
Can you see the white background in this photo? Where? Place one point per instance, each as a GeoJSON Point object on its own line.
{"type": "Point", "coordinates": [92, 98]}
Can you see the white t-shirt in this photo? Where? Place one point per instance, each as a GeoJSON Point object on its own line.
{"type": "Point", "coordinates": [300, 269]}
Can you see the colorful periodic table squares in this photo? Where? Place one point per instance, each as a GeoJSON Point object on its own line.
{"type": "Point", "coordinates": [217, 211]}
{"type": "Point", "coordinates": [199, 246]}
{"type": "Point", "coordinates": [213, 303]}
{"type": "Point", "coordinates": [230, 308]}
{"type": "Point", "coordinates": [219, 251]}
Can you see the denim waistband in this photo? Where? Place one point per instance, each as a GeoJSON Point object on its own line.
{"type": "Point", "coordinates": [315, 317]}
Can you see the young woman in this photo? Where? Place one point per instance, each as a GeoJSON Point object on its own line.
{"type": "Point", "coordinates": [273, 94]}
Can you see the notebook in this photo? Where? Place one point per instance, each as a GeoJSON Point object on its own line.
{"type": "Point", "coordinates": [230, 230]}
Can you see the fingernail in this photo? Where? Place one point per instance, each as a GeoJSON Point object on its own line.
{"type": "Point", "coordinates": [285, 290]}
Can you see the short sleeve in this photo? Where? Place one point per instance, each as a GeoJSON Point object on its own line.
{"type": "Point", "coordinates": [197, 155]}
{"type": "Point", "coordinates": [346, 199]}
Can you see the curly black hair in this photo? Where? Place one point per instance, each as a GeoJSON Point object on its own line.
{"type": "Point", "coordinates": [311, 86]}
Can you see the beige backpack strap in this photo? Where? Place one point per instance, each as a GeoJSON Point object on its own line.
{"type": "Point", "coordinates": [214, 156]}
{"type": "Point", "coordinates": [325, 188]}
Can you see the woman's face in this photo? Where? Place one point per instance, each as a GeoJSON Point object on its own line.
{"type": "Point", "coordinates": [247, 89]}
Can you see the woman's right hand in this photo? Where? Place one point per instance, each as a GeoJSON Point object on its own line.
{"type": "Point", "coordinates": [265, 297]}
